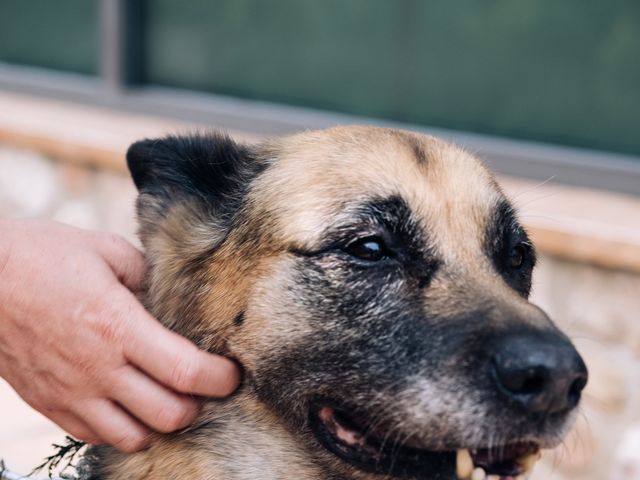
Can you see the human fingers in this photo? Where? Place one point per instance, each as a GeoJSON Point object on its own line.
{"type": "Point", "coordinates": [152, 403]}
{"type": "Point", "coordinates": [113, 425]}
{"type": "Point", "coordinates": [76, 427]}
{"type": "Point", "coordinates": [175, 361]}
{"type": "Point", "coordinates": [125, 260]}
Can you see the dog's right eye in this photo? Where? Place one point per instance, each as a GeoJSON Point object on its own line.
{"type": "Point", "coordinates": [371, 249]}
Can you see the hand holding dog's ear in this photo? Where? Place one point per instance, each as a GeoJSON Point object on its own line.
{"type": "Point", "coordinates": [76, 344]}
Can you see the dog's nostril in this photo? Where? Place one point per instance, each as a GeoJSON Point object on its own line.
{"type": "Point", "coordinates": [525, 381]}
{"type": "Point", "coordinates": [541, 374]}
{"type": "Point", "coordinates": [521, 383]}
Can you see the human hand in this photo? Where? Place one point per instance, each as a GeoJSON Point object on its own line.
{"type": "Point", "coordinates": [76, 344]}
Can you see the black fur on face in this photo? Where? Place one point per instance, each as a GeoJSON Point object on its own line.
{"type": "Point", "coordinates": [385, 351]}
{"type": "Point", "coordinates": [388, 224]}
{"type": "Point", "coordinates": [510, 249]}
{"type": "Point", "coordinates": [397, 333]}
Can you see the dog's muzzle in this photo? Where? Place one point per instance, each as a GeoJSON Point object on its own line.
{"type": "Point", "coordinates": [534, 375]}
{"type": "Point", "coordinates": [378, 454]}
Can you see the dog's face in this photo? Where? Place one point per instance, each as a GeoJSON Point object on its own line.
{"type": "Point", "coordinates": [373, 284]}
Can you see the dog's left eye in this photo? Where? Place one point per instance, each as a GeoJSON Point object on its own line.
{"type": "Point", "coordinates": [518, 256]}
{"type": "Point", "coordinates": [371, 249]}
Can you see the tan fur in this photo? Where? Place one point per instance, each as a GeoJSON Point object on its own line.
{"type": "Point", "coordinates": [252, 446]}
{"type": "Point", "coordinates": [314, 177]}
{"type": "Point", "coordinates": [319, 171]}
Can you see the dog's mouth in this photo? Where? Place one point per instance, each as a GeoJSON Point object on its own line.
{"type": "Point", "coordinates": [342, 435]}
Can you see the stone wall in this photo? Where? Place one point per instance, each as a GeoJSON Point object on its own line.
{"type": "Point", "coordinates": [598, 308]}
{"type": "Point", "coordinates": [34, 186]}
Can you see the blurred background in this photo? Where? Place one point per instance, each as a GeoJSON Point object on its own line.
{"type": "Point", "coordinates": [546, 93]}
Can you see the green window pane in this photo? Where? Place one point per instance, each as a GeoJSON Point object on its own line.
{"type": "Point", "coordinates": [56, 34]}
{"type": "Point", "coordinates": [566, 72]}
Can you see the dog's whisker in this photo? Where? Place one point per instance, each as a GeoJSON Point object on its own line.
{"type": "Point", "coordinates": [556, 220]}
{"type": "Point", "coordinates": [516, 196]}
{"type": "Point", "coordinates": [395, 447]}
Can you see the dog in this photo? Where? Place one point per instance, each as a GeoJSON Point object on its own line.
{"type": "Point", "coordinates": [373, 285]}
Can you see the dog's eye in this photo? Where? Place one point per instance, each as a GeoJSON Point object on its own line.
{"type": "Point", "coordinates": [518, 256]}
{"type": "Point", "coordinates": [371, 249]}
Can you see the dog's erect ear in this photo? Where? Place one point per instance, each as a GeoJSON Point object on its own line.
{"type": "Point", "coordinates": [210, 168]}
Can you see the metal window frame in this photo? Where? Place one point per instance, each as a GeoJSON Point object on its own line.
{"type": "Point", "coordinates": [115, 87]}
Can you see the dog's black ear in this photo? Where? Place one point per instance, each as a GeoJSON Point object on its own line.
{"type": "Point", "coordinates": [210, 168]}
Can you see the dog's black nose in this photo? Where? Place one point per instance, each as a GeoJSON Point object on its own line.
{"type": "Point", "coordinates": [542, 372]}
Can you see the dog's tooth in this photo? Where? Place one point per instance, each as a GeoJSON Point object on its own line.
{"type": "Point", "coordinates": [464, 464]}
{"type": "Point", "coordinates": [528, 462]}
{"type": "Point", "coordinates": [478, 474]}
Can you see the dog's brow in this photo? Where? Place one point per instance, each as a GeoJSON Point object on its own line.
{"type": "Point", "coordinates": [502, 233]}
{"type": "Point", "coordinates": [392, 213]}
{"type": "Point", "coordinates": [388, 216]}
{"type": "Point", "coordinates": [391, 216]}
{"type": "Point", "coordinates": [503, 222]}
